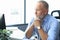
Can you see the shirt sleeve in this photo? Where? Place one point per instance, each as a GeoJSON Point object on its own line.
{"type": "Point", "coordinates": [53, 31]}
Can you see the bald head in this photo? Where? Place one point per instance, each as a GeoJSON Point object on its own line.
{"type": "Point", "coordinates": [45, 4]}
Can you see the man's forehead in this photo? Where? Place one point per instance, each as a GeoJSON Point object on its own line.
{"type": "Point", "coordinates": [39, 4]}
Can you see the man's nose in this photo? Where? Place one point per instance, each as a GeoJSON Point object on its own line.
{"type": "Point", "coordinates": [35, 12]}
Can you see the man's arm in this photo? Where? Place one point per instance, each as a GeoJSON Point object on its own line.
{"type": "Point", "coordinates": [42, 34]}
{"type": "Point", "coordinates": [30, 31]}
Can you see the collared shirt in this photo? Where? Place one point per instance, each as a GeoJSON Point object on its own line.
{"type": "Point", "coordinates": [50, 27]}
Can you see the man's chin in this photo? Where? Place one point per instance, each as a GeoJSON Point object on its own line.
{"type": "Point", "coordinates": [41, 17]}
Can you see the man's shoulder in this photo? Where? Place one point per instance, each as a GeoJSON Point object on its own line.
{"type": "Point", "coordinates": [52, 19]}
{"type": "Point", "coordinates": [32, 20]}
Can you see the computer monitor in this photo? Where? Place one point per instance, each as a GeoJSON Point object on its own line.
{"type": "Point", "coordinates": [2, 22]}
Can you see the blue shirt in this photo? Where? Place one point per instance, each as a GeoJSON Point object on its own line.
{"type": "Point", "coordinates": [49, 25]}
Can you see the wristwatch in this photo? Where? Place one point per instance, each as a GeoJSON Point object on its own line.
{"type": "Point", "coordinates": [38, 27]}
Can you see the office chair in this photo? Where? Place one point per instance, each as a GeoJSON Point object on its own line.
{"type": "Point", "coordinates": [57, 17]}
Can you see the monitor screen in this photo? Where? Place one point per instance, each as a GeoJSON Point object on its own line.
{"type": "Point", "coordinates": [2, 22]}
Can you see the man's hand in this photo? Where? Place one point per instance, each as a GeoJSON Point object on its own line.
{"type": "Point", "coordinates": [37, 22]}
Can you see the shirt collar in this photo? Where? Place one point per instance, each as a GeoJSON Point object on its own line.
{"type": "Point", "coordinates": [46, 18]}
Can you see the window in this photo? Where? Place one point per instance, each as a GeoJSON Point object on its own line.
{"type": "Point", "coordinates": [30, 9]}
{"type": "Point", "coordinates": [13, 10]}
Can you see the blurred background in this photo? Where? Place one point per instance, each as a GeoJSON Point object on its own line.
{"type": "Point", "coordinates": [18, 13]}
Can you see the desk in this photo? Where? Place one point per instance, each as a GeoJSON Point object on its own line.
{"type": "Point", "coordinates": [16, 32]}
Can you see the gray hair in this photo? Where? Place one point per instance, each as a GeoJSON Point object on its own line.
{"type": "Point", "coordinates": [45, 4]}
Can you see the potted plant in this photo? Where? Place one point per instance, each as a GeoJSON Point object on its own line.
{"type": "Point", "coordinates": [4, 34]}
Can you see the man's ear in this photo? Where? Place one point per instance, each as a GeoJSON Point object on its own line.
{"type": "Point", "coordinates": [46, 11]}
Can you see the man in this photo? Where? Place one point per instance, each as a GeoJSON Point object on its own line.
{"type": "Point", "coordinates": [44, 25]}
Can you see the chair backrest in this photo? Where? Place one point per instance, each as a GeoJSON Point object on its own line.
{"type": "Point", "coordinates": [59, 32]}
{"type": "Point", "coordinates": [58, 11]}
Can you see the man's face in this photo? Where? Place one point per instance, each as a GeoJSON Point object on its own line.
{"type": "Point", "coordinates": [41, 11]}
